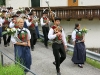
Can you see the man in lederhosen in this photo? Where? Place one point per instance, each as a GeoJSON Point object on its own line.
{"type": "Point", "coordinates": [57, 35]}
{"type": "Point", "coordinates": [45, 27]}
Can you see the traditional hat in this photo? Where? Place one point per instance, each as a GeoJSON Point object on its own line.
{"type": "Point", "coordinates": [45, 12]}
{"type": "Point", "coordinates": [4, 11]}
{"type": "Point", "coordinates": [14, 16]}
{"type": "Point", "coordinates": [9, 8]}
{"type": "Point", "coordinates": [18, 12]}
{"type": "Point", "coordinates": [30, 13]}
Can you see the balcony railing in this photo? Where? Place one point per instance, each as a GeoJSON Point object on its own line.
{"type": "Point", "coordinates": [73, 12]}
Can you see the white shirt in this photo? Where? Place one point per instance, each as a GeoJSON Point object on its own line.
{"type": "Point", "coordinates": [1, 21]}
{"type": "Point", "coordinates": [42, 23]}
{"type": "Point", "coordinates": [16, 34]}
{"type": "Point", "coordinates": [11, 25]}
{"type": "Point", "coordinates": [52, 36]}
{"type": "Point", "coordinates": [27, 22]}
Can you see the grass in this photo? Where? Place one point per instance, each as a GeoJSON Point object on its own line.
{"type": "Point", "coordinates": [93, 62]}
{"type": "Point", "coordinates": [11, 70]}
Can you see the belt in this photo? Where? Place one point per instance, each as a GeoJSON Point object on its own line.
{"type": "Point", "coordinates": [78, 41]}
{"type": "Point", "coordinates": [59, 42]}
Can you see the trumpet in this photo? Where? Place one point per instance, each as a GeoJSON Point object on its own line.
{"type": "Point", "coordinates": [58, 29]}
{"type": "Point", "coordinates": [35, 20]}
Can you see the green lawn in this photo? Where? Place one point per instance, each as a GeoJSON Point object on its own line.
{"type": "Point", "coordinates": [11, 70]}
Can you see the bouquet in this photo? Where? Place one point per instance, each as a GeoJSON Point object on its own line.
{"type": "Point", "coordinates": [9, 31]}
{"type": "Point", "coordinates": [84, 30]}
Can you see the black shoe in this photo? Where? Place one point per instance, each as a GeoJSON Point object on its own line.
{"type": "Point", "coordinates": [5, 45]}
{"type": "Point", "coordinates": [54, 63]}
{"type": "Point", "coordinates": [46, 47]}
{"type": "Point", "coordinates": [8, 44]}
{"type": "Point", "coordinates": [58, 73]}
{"type": "Point", "coordinates": [32, 49]}
{"type": "Point", "coordinates": [80, 65]}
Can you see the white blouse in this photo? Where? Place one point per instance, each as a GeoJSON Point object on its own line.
{"type": "Point", "coordinates": [16, 34]}
{"type": "Point", "coordinates": [74, 35]}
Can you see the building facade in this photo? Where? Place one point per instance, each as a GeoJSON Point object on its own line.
{"type": "Point", "coordinates": [91, 38]}
{"type": "Point", "coordinates": [52, 3]}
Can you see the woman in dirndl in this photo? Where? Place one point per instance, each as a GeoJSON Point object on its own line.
{"type": "Point", "coordinates": [79, 55]}
{"type": "Point", "coordinates": [22, 47]}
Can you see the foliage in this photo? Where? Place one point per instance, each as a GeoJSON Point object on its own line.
{"type": "Point", "coordinates": [93, 63]}
{"type": "Point", "coordinates": [9, 31]}
{"type": "Point", "coordinates": [11, 70]}
{"type": "Point", "coordinates": [84, 30]}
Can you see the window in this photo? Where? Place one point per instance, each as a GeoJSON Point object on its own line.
{"type": "Point", "coordinates": [2, 2]}
{"type": "Point", "coordinates": [35, 3]}
{"type": "Point", "coordinates": [74, 1]}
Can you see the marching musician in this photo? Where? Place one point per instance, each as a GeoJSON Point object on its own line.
{"type": "Point", "coordinates": [4, 26]}
{"type": "Point", "coordinates": [26, 21]}
{"type": "Point", "coordinates": [10, 10]}
{"type": "Point", "coordinates": [10, 13]}
{"type": "Point", "coordinates": [1, 22]}
{"type": "Point", "coordinates": [57, 35]}
{"type": "Point", "coordinates": [45, 27]}
{"type": "Point", "coordinates": [31, 27]}
{"type": "Point", "coordinates": [18, 13]}
{"type": "Point", "coordinates": [36, 24]}
{"type": "Point", "coordinates": [13, 22]}
{"type": "Point", "coordinates": [27, 11]}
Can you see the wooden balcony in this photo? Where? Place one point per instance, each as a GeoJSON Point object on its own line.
{"type": "Point", "coordinates": [73, 12]}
